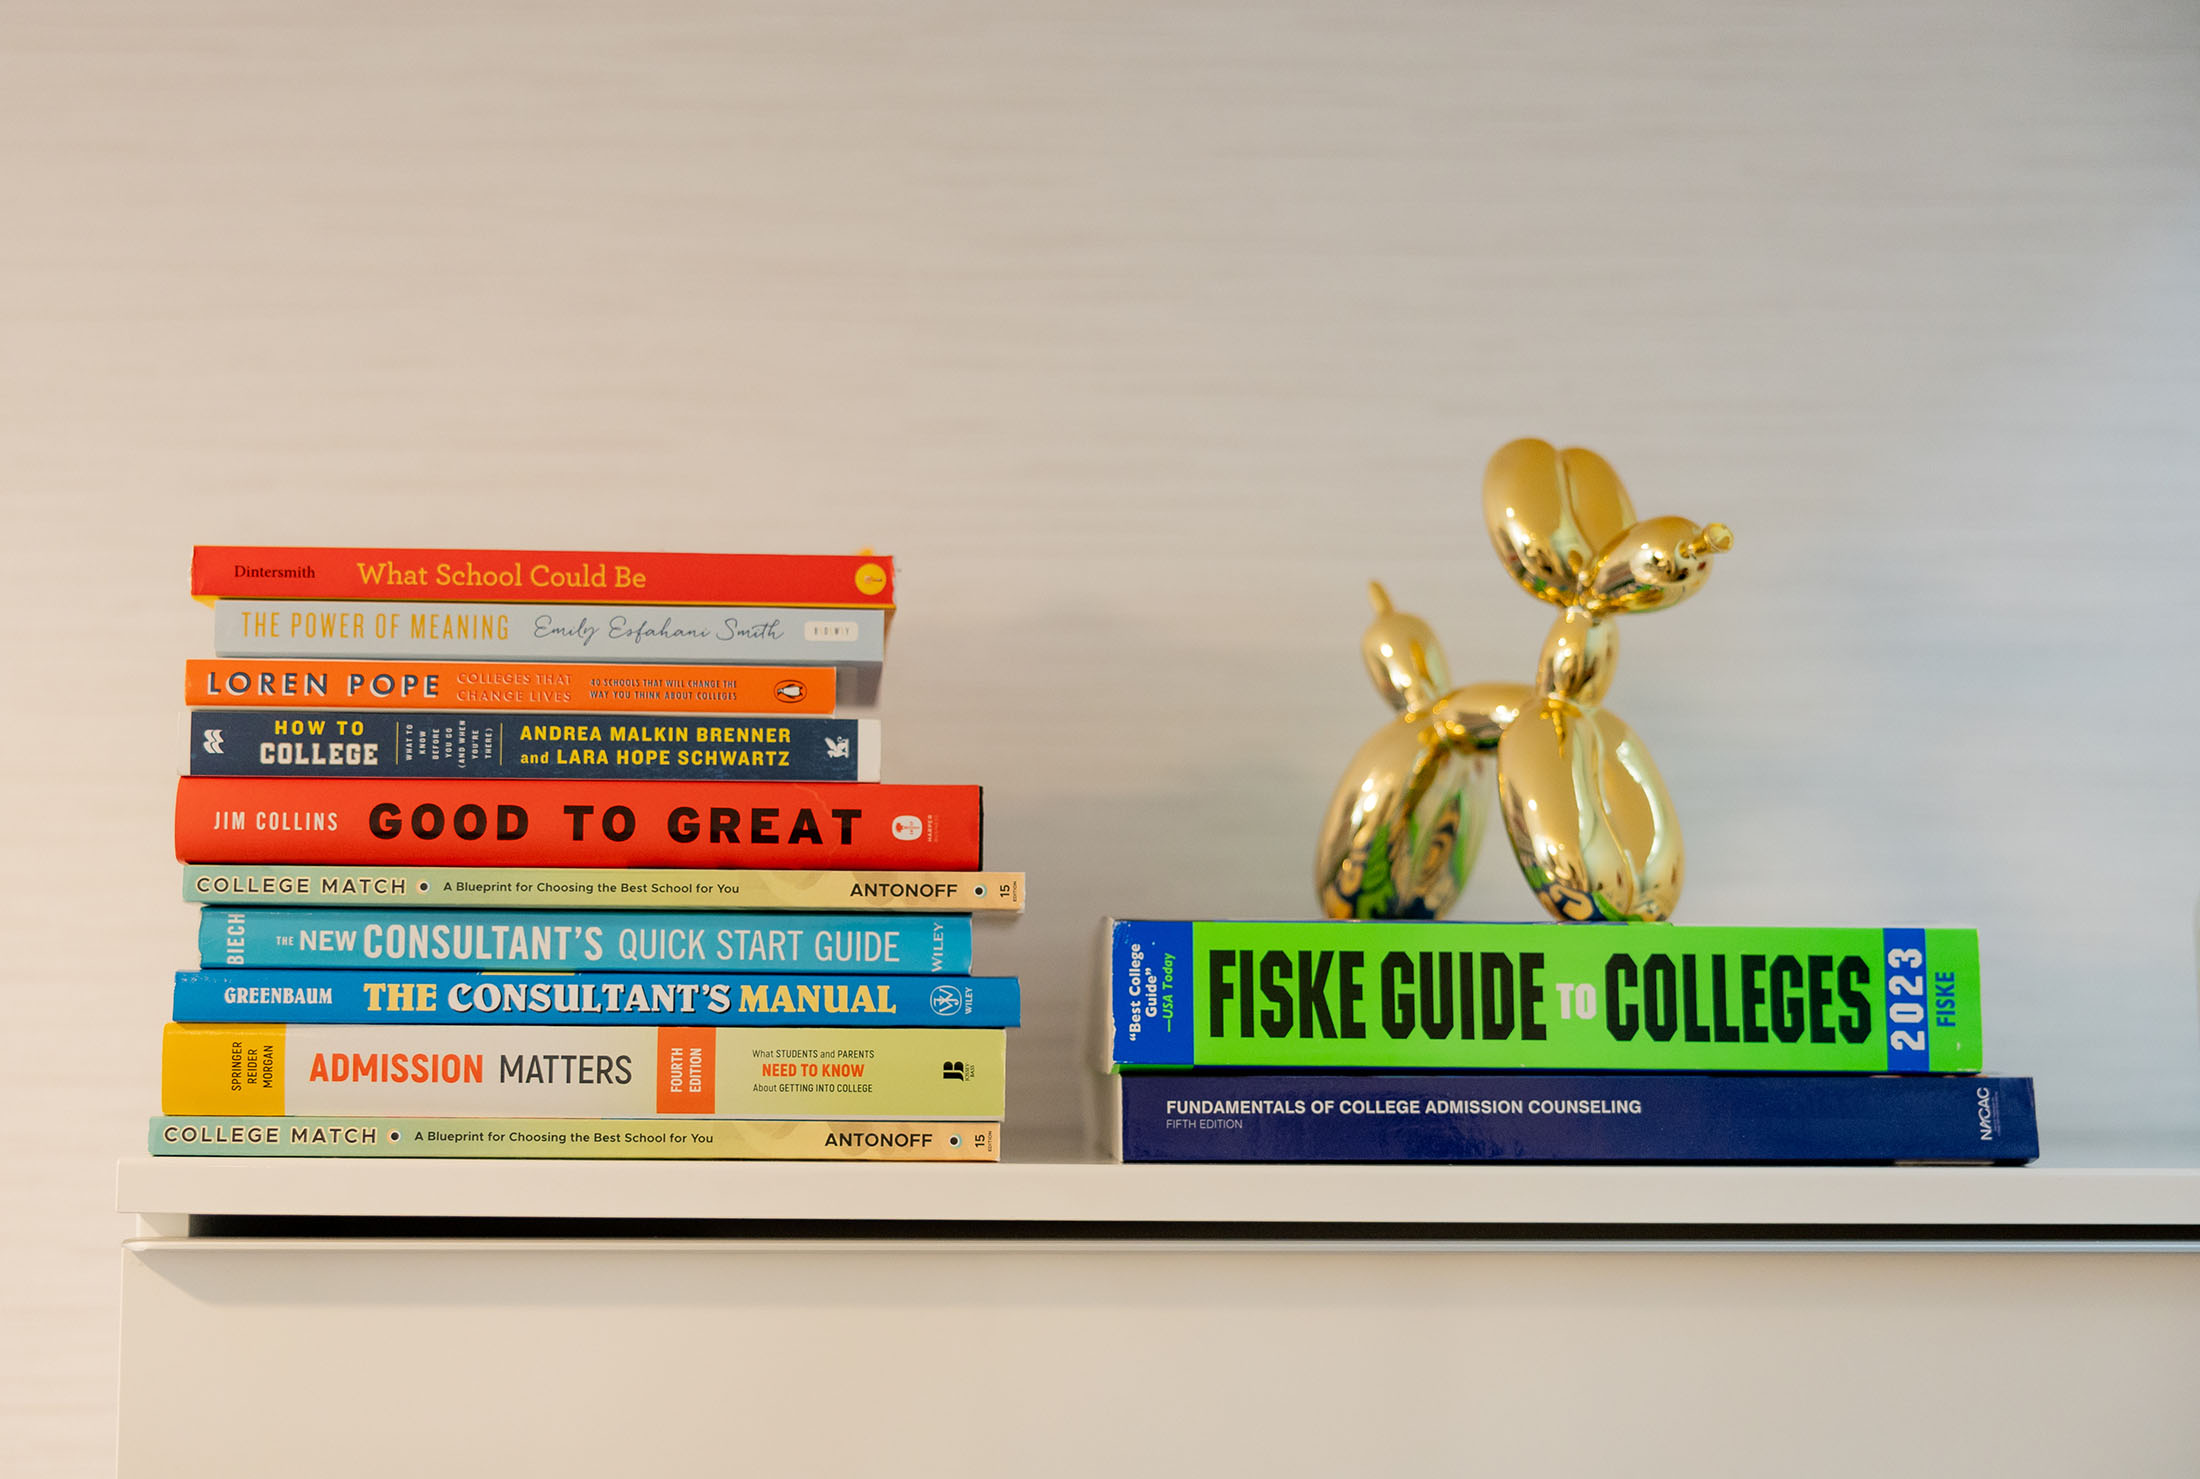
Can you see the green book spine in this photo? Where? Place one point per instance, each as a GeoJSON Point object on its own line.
{"type": "Point", "coordinates": [407, 1138]}
{"type": "Point", "coordinates": [293, 884]}
{"type": "Point", "coordinates": [1378, 994]}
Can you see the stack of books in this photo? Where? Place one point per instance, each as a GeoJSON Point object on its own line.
{"type": "Point", "coordinates": [1403, 1041]}
{"type": "Point", "coordinates": [512, 853]}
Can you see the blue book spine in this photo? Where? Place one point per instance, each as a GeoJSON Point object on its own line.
{"type": "Point", "coordinates": [260, 742]}
{"type": "Point", "coordinates": [584, 940]}
{"type": "Point", "coordinates": [641, 999]}
{"type": "Point", "coordinates": [1457, 1117]}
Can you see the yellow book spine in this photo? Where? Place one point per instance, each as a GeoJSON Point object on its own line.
{"type": "Point", "coordinates": [222, 1068]}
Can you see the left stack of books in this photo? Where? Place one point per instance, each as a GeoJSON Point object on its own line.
{"type": "Point", "coordinates": [547, 854]}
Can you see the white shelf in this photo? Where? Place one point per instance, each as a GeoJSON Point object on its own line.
{"type": "Point", "coordinates": [160, 1187]}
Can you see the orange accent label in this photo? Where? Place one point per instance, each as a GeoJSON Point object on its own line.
{"type": "Point", "coordinates": [687, 1070]}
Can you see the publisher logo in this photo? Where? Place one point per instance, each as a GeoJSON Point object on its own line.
{"type": "Point", "coordinates": [946, 1001]}
{"type": "Point", "coordinates": [210, 740]}
{"type": "Point", "coordinates": [793, 691]}
{"type": "Point", "coordinates": [958, 1070]}
{"type": "Point", "coordinates": [829, 631]}
{"type": "Point", "coordinates": [908, 829]}
{"type": "Point", "coordinates": [870, 579]}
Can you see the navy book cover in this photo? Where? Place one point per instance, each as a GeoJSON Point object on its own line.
{"type": "Point", "coordinates": [1461, 1117]}
{"type": "Point", "coordinates": [256, 742]}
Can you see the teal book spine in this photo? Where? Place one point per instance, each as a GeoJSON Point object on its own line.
{"type": "Point", "coordinates": [583, 940]}
{"type": "Point", "coordinates": [638, 999]}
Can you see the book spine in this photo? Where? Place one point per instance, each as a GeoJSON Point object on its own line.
{"type": "Point", "coordinates": [641, 999]}
{"type": "Point", "coordinates": [577, 824]}
{"type": "Point", "coordinates": [396, 1138]}
{"type": "Point", "coordinates": [564, 576]}
{"type": "Point", "coordinates": [548, 687]}
{"type": "Point", "coordinates": [318, 743]}
{"type": "Point", "coordinates": [584, 1072]}
{"type": "Point", "coordinates": [505, 633]}
{"type": "Point", "coordinates": [1653, 997]}
{"type": "Point", "coordinates": [291, 884]}
{"type": "Point", "coordinates": [1574, 1117]}
{"type": "Point", "coordinates": [581, 939]}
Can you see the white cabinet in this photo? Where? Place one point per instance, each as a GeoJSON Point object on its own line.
{"type": "Point", "coordinates": [1084, 1319]}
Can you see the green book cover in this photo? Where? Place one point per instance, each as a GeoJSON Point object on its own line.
{"type": "Point", "coordinates": [1416, 994]}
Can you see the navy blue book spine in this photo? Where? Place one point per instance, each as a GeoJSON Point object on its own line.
{"type": "Point", "coordinates": [259, 742]}
{"type": "Point", "coordinates": [1467, 1117]}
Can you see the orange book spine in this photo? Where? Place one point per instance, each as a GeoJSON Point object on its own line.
{"type": "Point", "coordinates": [533, 687]}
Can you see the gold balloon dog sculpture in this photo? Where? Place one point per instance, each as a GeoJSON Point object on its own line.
{"type": "Point", "coordinates": [1590, 822]}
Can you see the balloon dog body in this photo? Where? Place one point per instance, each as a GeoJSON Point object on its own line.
{"type": "Point", "coordinates": [1589, 819]}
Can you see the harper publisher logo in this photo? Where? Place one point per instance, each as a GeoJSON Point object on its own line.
{"type": "Point", "coordinates": [210, 740]}
{"type": "Point", "coordinates": [908, 829]}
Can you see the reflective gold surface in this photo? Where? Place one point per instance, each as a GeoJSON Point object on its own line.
{"type": "Point", "coordinates": [1402, 654]}
{"type": "Point", "coordinates": [1588, 817]}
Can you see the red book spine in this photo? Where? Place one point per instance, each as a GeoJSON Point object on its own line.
{"type": "Point", "coordinates": [577, 576]}
{"type": "Point", "coordinates": [578, 824]}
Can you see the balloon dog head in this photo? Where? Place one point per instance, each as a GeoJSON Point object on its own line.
{"type": "Point", "coordinates": [1589, 819]}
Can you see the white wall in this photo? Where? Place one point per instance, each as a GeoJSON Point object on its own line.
{"type": "Point", "coordinates": [1143, 335]}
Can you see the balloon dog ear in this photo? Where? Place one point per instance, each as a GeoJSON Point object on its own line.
{"type": "Point", "coordinates": [1402, 655]}
{"type": "Point", "coordinates": [1550, 513]}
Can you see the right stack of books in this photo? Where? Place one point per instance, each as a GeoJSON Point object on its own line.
{"type": "Point", "coordinates": [1381, 1041]}
{"type": "Point", "coordinates": [551, 854]}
